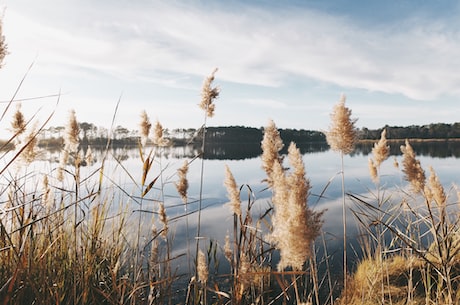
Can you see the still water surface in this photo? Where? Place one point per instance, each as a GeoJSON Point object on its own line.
{"type": "Point", "coordinates": [123, 172]}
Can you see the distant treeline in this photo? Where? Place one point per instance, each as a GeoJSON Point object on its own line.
{"type": "Point", "coordinates": [431, 131]}
{"type": "Point", "coordinates": [241, 134]}
{"type": "Point", "coordinates": [249, 136]}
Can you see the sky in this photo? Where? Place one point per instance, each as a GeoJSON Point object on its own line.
{"type": "Point", "coordinates": [397, 62]}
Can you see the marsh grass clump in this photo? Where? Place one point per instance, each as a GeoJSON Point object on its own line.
{"type": "Point", "coordinates": [418, 262]}
{"type": "Point", "coordinates": [295, 226]}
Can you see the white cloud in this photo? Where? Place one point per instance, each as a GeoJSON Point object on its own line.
{"type": "Point", "coordinates": [266, 103]}
{"type": "Point", "coordinates": [140, 43]}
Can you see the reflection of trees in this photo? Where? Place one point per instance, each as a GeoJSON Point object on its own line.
{"type": "Point", "coordinates": [240, 151]}
{"type": "Point", "coordinates": [435, 149]}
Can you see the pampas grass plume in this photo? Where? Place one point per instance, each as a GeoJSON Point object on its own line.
{"type": "Point", "coordinates": [232, 191]}
{"type": "Point", "coordinates": [412, 168]}
{"type": "Point", "coordinates": [271, 146]}
{"type": "Point", "coordinates": [182, 184]}
{"type": "Point", "coordinates": [18, 124]}
{"type": "Point", "coordinates": [3, 46]}
{"type": "Point", "coordinates": [158, 138]}
{"type": "Point", "coordinates": [342, 134]}
{"type": "Point", "coordinates": [72, 131]}
{"type": "Point", "coordinates": [202, 268]}
{"type": "Point", "coordinates": [373, 170]}
{"type": "Point", "coordinates": [208, 95]}
{"type": "Point", "coordinates": [381, 150]}
{"type": "Point", "coordinates": [163, 220]}
{"type": "Point", "coordinates": [437, 190]}
{"type": "Point", "coordinates": [145, 126]}
{"type": "Point", "coordinates": [295, 226]}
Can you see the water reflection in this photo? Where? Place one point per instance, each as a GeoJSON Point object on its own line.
{"type": "Point", "coordinates": [243, 151]}
{"type": "Point", "coordinates": [435, 149]}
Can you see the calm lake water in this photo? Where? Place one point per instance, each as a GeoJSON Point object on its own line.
{"type": "Point", "coordinates": [123, 173]}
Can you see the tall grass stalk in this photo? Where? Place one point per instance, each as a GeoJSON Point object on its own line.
{"type": "Point", "coordinates": [208, 95]}
{"type": "Point", "coordinates": [341, 137]}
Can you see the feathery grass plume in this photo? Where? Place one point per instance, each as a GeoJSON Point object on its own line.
{"type": "Point", "coordinates": [47, 197]}
{"type": "Point", "coordinates": [29, 154]}
{"type": "Point", "coordinates": [373, 170]}
{"type": "Point", "coordinates": [342, 134]}
{"type": "Point", "coordinates": [271, 146]}
{"type": "Point", "coordinates": [202, 267]}
{"type": "Point", "coordinates": [412, 168]}
{"type": "Point", "coordinates": [341, 137]}
{"type": "Point", "coordinates": [72, 131]}
{"type": "Point", "coordinates": [437, 190]}
{"type": "Point", "coordinates": [163, 220]}
{"type": "Point", "coordinates": [233, 192]}
{"type": "Point", "coordinates": [208, 95]}
{"type": "Point", "coordinates": [145, 126]}
{"type": "Point", "coordinates": [89, 156]}
{"type": "Point", "coordinates": [395, 163]}
{"type": "Point", "coordinates": [227, 248]}
{"type": "Point", "coordinates": [62, 163]}
{"type": "Point", "coordinates": [3, 45]}
{"type": "Point", "coordinates": [158, 138]}
{"type": "Point", "coordinates": [18, 125]}
{"type": "Point", "coordinates": [71, 142]}
{"type": "Point", "coordinates": [182, 184]}
{"type": "Point", "coordinates": [381, 150]}
{"type": "Point", "coordinates": [295, 226]}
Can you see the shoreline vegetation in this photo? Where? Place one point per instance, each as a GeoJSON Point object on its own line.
{"type": "Point", "coordinates": [72, 237]}
{"type": "Point", "coordinates": [52, 137]}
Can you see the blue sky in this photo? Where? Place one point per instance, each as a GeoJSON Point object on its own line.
{"type": "Point", "coordinates": [396, 61]}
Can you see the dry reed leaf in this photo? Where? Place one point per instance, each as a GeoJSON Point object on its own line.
{"type": "Point", "coordinates": [149, 187]}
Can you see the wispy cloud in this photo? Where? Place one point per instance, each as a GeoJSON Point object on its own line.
{"type": "Point", "coordinates": [255, 46]}
{"type": "Point", "coordinates": [144, 41]}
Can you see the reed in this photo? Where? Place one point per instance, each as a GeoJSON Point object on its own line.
{"type": "Point", "coordinates": [341, 137]}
